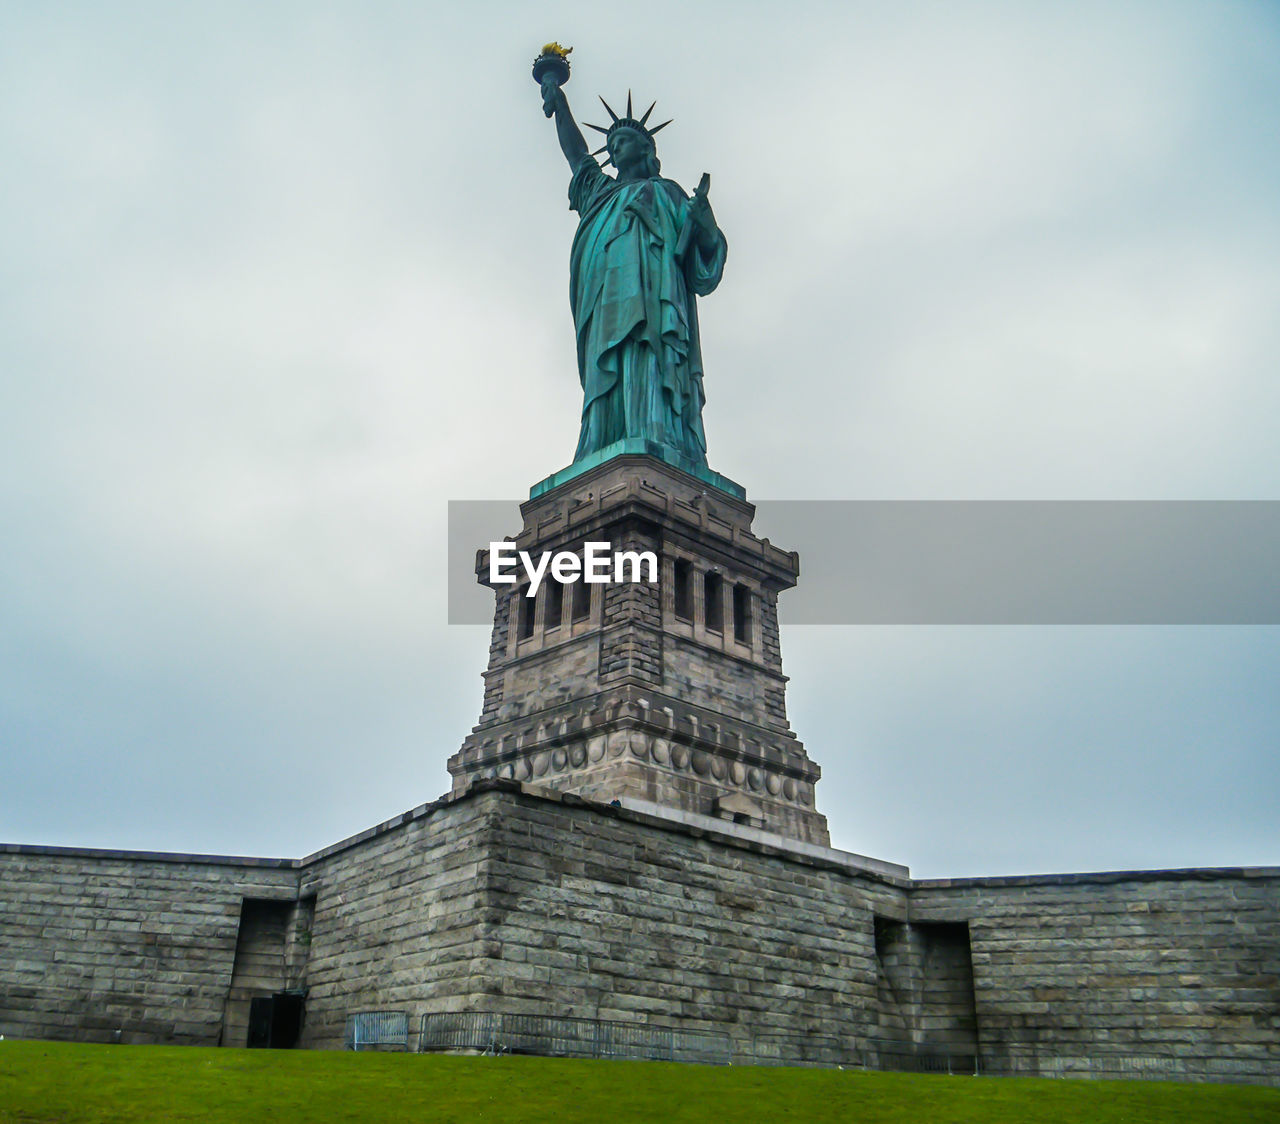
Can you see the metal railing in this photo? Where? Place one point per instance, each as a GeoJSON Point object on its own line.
{"type": "Point", "coordinates": [1053, 1060]}
{"type": "Point", "coordinates": [907, 1057]}
{"type": "Point", "coordinates": [497, 1033]}
{"type": "Point", "coordinates": [791, 1049]}
{"type": "Point", "coordinates": [368, 1030]}
{"type": "Point", "coordinates": [1016, 1062]}
{"type": "Point", "coordinates": [494, 1033]}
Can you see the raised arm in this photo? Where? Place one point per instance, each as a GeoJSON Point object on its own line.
{"type": "Point", "coordinates": [555, 104]}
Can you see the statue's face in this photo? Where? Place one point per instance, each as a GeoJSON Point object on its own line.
{"type": "Point", "coordinates": [628, 150]}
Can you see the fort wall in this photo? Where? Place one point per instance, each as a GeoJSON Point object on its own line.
{"type": "Point", "coordinates": [126, 946]}
{"type": "Point", "coordinates": [518, 900]}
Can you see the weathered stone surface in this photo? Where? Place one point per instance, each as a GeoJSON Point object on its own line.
{"type": "Point", "coordinates": [1081, 972]}
{"type": "Point", "coordinates": [652, 691]}
{"type": "Point", "coordinates": [507, 898]}
{"type": "Point", "coordinates": [120, 946]}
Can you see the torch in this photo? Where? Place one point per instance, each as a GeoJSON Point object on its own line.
{"type": "Point", "coordinates": [551, 68]}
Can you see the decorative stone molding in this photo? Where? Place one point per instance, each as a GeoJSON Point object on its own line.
{"type": "Point", "coordinates": [635, 700]}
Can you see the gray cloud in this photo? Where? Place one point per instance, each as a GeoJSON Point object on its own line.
{"type": "Point", "coordinates": [280, 282]}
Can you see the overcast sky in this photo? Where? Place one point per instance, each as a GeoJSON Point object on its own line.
{"type": "Point", "coordinates": [279, 280]}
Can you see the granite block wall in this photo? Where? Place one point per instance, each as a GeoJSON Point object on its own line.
{"type": "Point", "coordinates": [925, 995]}
{"type": "Point", "coordinates": [118, 946]}
{"type": "Point", "coordinates": [400, 918]}
{"type": "Point", "coordinates": [519, 900]}
{"type": "Point", "coordinates": [1147, 973]}
{"type": "Point", "coordinates": [607, 913]}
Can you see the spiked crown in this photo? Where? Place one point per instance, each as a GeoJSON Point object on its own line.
{"type": "Point", "coordinates": [628, 121]}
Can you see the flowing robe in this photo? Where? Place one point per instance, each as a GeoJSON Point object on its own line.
{"type": "Point", "coordinates": [639, 357]}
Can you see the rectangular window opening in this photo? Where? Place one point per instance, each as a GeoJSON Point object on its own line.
{"type": "Point", "coordinates": [527, 606]}
{"type": "Point", "coordinates": [581, 601]}
{"type": "Point", "coordinates": [555, 604]}
{"type": "Point", "coordinates": [742, 614]}
{"type": "Point", "coordinates": [713, 600]}
{"type": "Point", "coordinates": [683, 590]}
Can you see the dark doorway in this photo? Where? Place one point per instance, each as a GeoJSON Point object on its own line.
{"type": "Point", "coordinates": [275, 1021]}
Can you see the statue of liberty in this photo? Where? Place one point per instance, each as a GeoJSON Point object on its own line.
{"type": "Point", "coordinates": [642, 252]}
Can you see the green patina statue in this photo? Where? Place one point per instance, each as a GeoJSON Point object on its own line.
{"type": "Point", "coordinates": [642, 252]}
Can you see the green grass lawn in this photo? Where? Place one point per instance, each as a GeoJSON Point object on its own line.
{"type": "Point", "coordinates": [47, 1081]}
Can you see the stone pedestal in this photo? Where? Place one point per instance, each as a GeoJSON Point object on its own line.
{"type": "Point", "coordinates": [669, 691]}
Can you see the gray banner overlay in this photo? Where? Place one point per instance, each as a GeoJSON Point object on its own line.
{"type": "Point", "coordinates": [983, 562]}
